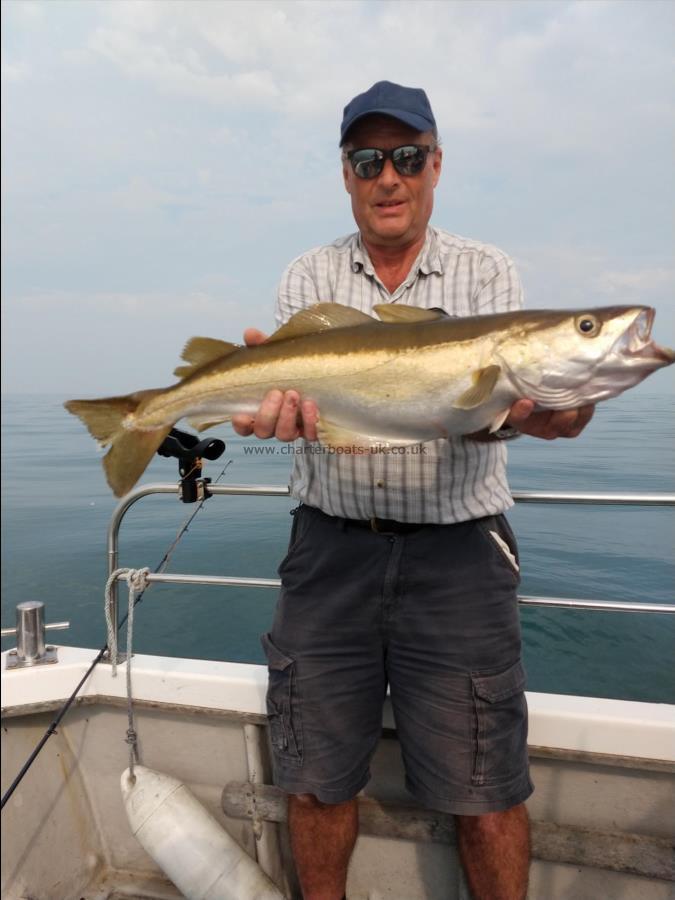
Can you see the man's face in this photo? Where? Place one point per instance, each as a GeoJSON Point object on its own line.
{"type": "Point", "coordinates": [391, 210]}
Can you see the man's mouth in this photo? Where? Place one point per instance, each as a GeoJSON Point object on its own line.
{"type": "Point", "coordinates": [389, 204]}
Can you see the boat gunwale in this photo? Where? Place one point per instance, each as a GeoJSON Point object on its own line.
{"type": "Point", "coordinates": [536, 751]}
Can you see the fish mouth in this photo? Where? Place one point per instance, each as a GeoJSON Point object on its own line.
{"type": "Point", "coordinates": [638, 344]}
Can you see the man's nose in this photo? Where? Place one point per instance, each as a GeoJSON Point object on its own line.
{"type": "Point", "coordinates": [389, 177]}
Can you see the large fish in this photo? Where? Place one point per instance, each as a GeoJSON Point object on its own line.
{"type": "Point", "coordinates": [414, 376]}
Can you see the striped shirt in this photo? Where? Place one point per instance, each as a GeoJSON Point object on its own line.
{"type": "Point", "coordinates": [451, 480]}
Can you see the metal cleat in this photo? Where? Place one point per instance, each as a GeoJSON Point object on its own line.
{"type": "Point", "coordinates": [30, 636]}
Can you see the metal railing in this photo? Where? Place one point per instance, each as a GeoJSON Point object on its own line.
{"type": "Point", "coordinates": [259, 490]}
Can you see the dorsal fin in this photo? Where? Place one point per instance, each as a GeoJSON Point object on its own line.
{"type": "Point", "coordinates": [202, 350]}
{"type": "Point", "coordinates": [391, 312]}
{"type": "Point", "coordinates": [320, 317]}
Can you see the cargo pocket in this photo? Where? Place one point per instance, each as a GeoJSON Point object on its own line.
{"type": "Point", "coordinates": [500, 725]}
{"type": "Point", "coordinates": [283, 705]}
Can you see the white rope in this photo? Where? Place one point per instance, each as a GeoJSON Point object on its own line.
{"type": "Point", "coordinates": [137, 579]}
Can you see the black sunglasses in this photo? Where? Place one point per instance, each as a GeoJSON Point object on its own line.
{"type": "Point", "coordinates": [368, 162]}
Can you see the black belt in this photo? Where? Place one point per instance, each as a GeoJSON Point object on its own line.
{"type": "Point", "coordinates": [386, 526]}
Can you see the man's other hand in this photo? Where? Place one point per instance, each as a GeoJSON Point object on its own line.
{"type": "Point", "coordinates": [281, 415]}
{"type": "Point", "coordinates": [549, 424]}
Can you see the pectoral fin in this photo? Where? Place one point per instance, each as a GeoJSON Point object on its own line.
{"type": "Point", "coordinates": [484, 381]}
{"type": "Point", "coordinates": [202, 424]}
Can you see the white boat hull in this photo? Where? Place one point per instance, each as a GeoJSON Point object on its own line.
{"type": "Point", "coordinates": [600, 767]}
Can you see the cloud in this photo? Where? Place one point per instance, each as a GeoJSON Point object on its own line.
{"type": "Point", "coordinates": [149, 303]}
{"type": "Point", "coordinates": [169, 158]}
{"type": "Point", "coordinates": [572, 277]}
{"type": "Point", "coordinates": [180, 70]}
{"type": "Point", "coordinates": [15, 72]}
{"type": "Point", "coordinates": [640, 282]}
{"type": "Point", "coordinates": [140, 196]}
{"type": "Point", "coordinates": [28, 13]}
{"type": "Point", "coordinates": [518, 72]}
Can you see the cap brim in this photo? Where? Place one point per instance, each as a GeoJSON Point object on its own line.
{"type": "Point", "coordinates": [419, 123]}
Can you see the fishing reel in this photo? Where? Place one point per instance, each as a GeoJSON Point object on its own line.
{"type": "Point", "coordinates": [190, 452]}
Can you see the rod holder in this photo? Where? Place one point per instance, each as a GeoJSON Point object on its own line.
{"type": "Point", "coordinates": [30, 636]}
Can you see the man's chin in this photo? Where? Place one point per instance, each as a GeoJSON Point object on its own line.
{"type": "Point", "coordinates": [390, 233]}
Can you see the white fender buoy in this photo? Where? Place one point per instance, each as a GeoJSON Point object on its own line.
{"type": "Point", "coordinates": [187, 843]}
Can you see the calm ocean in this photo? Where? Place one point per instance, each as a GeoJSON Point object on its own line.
{"type": "Point", "coordinates": [56, 509]}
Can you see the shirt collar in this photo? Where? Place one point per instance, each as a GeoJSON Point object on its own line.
{"type": "Point", "coordinates": [360, 257]}
{"type": "Point", "coordinates": [428, 259]}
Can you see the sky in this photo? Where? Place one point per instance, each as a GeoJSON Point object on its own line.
{"type": "Point", "coordinates": [163, 161]}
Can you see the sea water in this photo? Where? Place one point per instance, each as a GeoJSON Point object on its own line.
{"type": "Point", "coordinates": [57, 506]}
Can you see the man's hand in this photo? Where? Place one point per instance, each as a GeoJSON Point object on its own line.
{"type": "Point", "coordinates": [280, 415]}
{"type": "Point", "coordinates": [549, 424]}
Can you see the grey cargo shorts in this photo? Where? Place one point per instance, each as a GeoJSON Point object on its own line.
{"type": "Point", "coordinates": [432, 614]}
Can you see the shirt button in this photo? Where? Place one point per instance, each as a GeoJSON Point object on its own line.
{"type": "Point", "coordinates": [380, 483]}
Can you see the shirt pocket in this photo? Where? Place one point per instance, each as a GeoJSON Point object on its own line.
{"type": "Point", "coordinates": [500, 725]}
{"type": "Point", "coordinates": [283, 704]}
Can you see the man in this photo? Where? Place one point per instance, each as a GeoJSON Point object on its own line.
{"type": "Point", "coordinates": [401, 570]}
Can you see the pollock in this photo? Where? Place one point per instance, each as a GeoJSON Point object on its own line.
{"type": "Point", "coordinates": [410, 376]}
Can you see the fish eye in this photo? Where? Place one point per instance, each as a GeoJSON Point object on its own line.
{"type": "Point", "coordinates": [588, 325]}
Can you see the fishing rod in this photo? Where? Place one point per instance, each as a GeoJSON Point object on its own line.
{"type": "Point", "coordinates": [189, 451]}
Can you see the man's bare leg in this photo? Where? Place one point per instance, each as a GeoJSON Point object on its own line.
{"type": "Point", "coordinates": [322, 840]}
{"type": "Point", "coordinates": [495, 852]}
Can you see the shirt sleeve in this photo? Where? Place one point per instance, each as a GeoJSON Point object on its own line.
{"type": "Point", "coordinates": [297, 290]}
{"type": "Point", "coordinates": [499, 288]}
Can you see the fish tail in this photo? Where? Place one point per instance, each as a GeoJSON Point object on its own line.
{"type": "Point", "coordinates": [130, 449]}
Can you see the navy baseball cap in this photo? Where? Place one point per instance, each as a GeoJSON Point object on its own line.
{"type": "Point", "coordinates": [408, 105]}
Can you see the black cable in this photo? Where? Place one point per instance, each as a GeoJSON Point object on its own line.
{"type": "Point", "coordinates": [64, 709]}
{"type": "Point", "coordinates": [101, 653]}
{"type": "Point", "coordinates": [52, 729]}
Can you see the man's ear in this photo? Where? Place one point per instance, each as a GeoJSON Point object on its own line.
{"type": "Point", "coordinates": [345, 176]}
{"type": "Point", "coordinates": [437, 164]}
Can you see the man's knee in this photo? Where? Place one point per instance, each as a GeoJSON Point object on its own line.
{"type": "Point", "coordinates": [494, 823]}
{"type": "Point", "coordinates": [306, 801]}
{"type": "Point", "coordinates": [310, 802]}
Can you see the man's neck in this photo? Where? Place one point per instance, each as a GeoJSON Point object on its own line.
{"type": "Point", "coordinates": [392, 264]}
